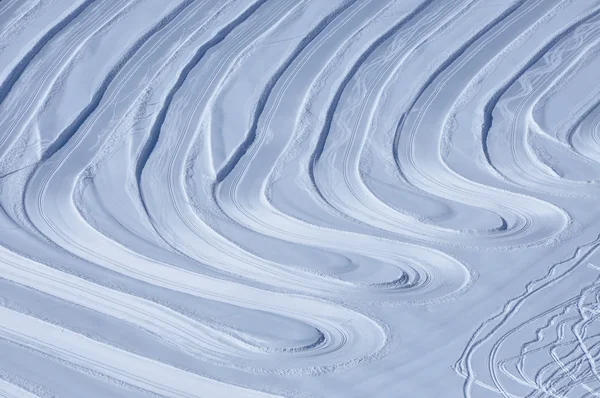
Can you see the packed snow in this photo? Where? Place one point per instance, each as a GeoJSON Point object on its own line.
{"type": "Point", "coordinates": [300, 198]}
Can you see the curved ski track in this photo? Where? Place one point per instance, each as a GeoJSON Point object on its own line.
{"type": "Point", "coordinates": [236, 184]}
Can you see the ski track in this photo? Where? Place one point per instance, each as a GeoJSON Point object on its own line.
{"type": "Point", "coordinates": [256, 186]}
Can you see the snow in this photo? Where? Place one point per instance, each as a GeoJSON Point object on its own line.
{"type": "Point", "coordinates": [345, 198]}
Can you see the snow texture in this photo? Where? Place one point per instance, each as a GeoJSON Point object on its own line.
{"type": "Point", "coordinates": [300, 198]}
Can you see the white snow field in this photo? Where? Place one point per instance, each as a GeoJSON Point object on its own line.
{"type": "Point", "coordinates": [300, 198]}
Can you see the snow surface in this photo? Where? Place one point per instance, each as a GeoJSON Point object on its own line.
{"type": "Point", "coordinates": [300, 198]}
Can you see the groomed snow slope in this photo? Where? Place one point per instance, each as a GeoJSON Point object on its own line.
{"type": "Point", "coordinates": [300, 198]}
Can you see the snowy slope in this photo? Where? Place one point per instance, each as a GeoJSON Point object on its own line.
{"type": "Point", "coordinates": [300, 198]}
